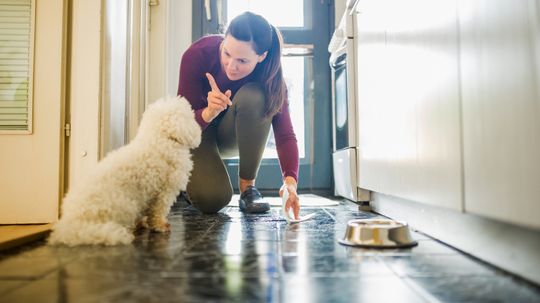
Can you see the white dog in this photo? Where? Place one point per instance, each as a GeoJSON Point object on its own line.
{"type": "Point", "coordinates": [138, 181]}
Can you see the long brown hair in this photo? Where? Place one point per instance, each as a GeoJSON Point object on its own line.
{"type": "Point", "coordinates": [264, 37]}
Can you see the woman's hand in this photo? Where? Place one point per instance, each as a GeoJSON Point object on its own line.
{"type": "Point", "coordinates": [217, 101]}
{"type": "Point", "coordinates": [290, 185]}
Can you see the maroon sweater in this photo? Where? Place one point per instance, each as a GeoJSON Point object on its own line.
{"type": "Point", "coordinates": [202, 57]}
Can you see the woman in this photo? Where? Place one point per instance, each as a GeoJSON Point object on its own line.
{"type": "Point", "coordinates": [235, 86]}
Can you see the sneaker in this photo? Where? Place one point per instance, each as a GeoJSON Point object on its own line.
{"type": "Point", "coordinates": [251, 201]}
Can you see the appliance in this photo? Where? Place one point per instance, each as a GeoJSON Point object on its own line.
{"type": "Point", "coordinates": [345, 145]}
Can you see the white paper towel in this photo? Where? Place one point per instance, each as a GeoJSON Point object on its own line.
{"type": "Point", "coordinates": [289, 215]}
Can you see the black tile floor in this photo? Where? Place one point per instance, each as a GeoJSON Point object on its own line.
{"type": "Point", "coordinates": [232, 257]}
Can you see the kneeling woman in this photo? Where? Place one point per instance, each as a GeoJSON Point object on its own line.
{"type": "Point", "coordinates": [235, 86]}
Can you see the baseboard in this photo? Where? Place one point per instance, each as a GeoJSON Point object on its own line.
{"type": "Point", "coordinates": [512, 248]}
{"type": "Point", "coordinates": [15, 235]}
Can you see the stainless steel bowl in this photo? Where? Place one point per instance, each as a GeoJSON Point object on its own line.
{"type": "Point", "coordinates": [378, 233]}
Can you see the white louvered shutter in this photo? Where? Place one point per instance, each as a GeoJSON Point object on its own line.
{"type": "Point", "coordinates": [16, 62]}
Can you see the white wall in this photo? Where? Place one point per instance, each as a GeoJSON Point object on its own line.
{"type": "Point", "coordinates": [85, 87]}
{"type": "Point", "coordinates": [157, 50]}
{"type": "Point", "coordinates": [179, 39]}
{"type": "Point", "coordinates": [170, 36]}
{"type": "Point", "coordinates": [339, 9]}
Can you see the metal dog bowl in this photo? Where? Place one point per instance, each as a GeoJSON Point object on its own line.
{"type": "Point", "coordinates": [377, 233]}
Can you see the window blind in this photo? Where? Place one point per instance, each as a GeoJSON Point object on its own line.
{"type": "Point", "coordinates": [16, 47]}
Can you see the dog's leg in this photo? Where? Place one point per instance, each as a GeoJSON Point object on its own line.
{"type": "Point", "coordinates": [158, 211]}
{"type": "Point", "coordinates": [142, 220]}
{"type": "Point", "coordinates": [142, 223]}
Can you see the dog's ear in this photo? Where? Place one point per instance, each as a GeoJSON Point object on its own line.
{"type": "Point", "coordinates": [186, 130]}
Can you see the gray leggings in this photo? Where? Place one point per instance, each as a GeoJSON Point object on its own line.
{"type": "Point", "coordinates": [241, 131]}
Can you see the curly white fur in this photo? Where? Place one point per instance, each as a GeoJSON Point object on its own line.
{"type": "Point", "coordinates": [139, 180]}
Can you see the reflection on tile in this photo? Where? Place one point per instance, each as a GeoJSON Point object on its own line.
{"type": "Point", "coordinates": [16, 267]}
{"type": "Point", "coordinates": [230, 247]}
{"type": "Point", "coordinates": [231, 288]}
{"type": "Point", "coordinates": [9, 285]}
{"type": "Point", "coordinates": [416, 265]}
{"type": "Point", "coordinates": [346, 289]}
{"type": "Point", "coordinates": [233, 257]}
{"type": "Point", "coordinates": [252, 265]}
{"type": "Point", "coordinates": [476, 289]}
{"type": "Point", "coordinates": [333, 266]}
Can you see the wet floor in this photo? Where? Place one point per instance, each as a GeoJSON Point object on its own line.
{"type": "Point", "coordinates": [232, 257]}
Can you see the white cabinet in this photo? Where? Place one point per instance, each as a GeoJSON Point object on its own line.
{"type": "Point", "coordinates": [408, 100]}
{"type": "Point", "coordinates": [449, 104]}
{"type": "Point", "coordinates": [500, 80]}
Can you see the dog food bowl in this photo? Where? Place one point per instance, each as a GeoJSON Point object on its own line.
{"type": "Point", "coordinates": [377, 233]}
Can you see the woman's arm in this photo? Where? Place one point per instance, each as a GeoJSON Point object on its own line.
{"type": "Point", "coordinates": [190, 84]}
{"type": "Point", "coordinates": [287, 148]}
{"type": "Point", "coordinates": [286, 143]}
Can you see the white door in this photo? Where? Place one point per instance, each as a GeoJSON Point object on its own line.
{"type": "Point", "coordinates": [31, 161]}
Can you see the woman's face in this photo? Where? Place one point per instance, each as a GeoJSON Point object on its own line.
{"type": "Point", "coordinates": [238, 58]}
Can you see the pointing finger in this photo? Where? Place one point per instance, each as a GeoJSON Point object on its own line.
{"type": "Point", "coordinates": [212, 82]}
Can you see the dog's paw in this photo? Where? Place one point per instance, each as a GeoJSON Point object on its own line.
{"type": "Point", "coordinates": [141, 224]}
{"type": "Point", "coordinates": [161, 227]}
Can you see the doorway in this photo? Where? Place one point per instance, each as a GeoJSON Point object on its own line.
{"type": "Point", "coordinates": [306, 28]}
